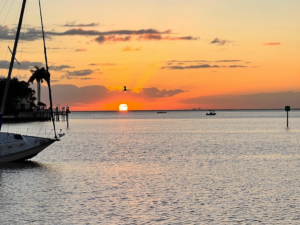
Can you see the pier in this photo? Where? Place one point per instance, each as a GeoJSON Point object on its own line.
{"type": "Point", "coordinates": [60, 114]}
{"type": "Point", "coordinates": [63, 113]}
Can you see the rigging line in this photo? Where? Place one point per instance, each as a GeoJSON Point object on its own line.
{"type": "Point", "coordinates": [11, 36]}
{"type": "Point", "coordinates": [8, 11]}
{"type": "Point", "coordinates": [47, 69]}
{"type": "Point", "coordinates": [4, 62]}
{"type": "Point", "coordinates": [3, 6]}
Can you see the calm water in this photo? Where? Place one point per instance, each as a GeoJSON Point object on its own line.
{"type": "Point", "coordinates": [239, 167]}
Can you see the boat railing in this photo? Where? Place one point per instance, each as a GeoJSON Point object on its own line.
{"type": "Point", "coordinates": [42, 133]}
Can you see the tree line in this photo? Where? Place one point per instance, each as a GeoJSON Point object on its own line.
{"type": "Point", "coordinates": [21, 92]}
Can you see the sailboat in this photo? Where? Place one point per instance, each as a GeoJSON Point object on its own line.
{"type": "Point", "coordinates": [14, 146]}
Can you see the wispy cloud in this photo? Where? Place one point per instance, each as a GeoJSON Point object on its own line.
{"type": "Point", "coordinates": [206, 61]}
{"type": "Point", "coordinates": [81, 31]}
{"type": "Point", "coordinates": [218, 41]}
{"type": "Point", "coordinates": [128, 49]}
{"type": "Point", "coordinates": [155, 93]}
{"type": "Point", "coordinates": [80, 50]}
{"type": "Point", "coordinates": [77, 73]}
{"type": "Point", "coordinates": [102, 64]}
{"type": "Point", "coordinates": [112, 38]}
{"type": "Point", "coordinates": [158, 37]}
{"type": "Point", "coordinates": [272, 43]}
{"type": "Point", "coordinates": [203, 66]}
{"type": "Point", "coordinates": [80, 25]}
{"type": "Point", "coordinates": [123, 35]}
{"type": "Point", "coordinates": [229, 61]}
{"type": "Point", "coordinates": [60, 68]}
{"type": "Point", "coordinates": [57, 48]}
{"type": "Point", "coordinates": [28, 65]}
{"type": "Point", "coordinates": [188, 61]}
{"type": "Point", "coordinates": [24, 65]}
{"type": "Point", "coordinates": [237, 66]}
{"type": "Point", "coordinates": [30, 34]}
{"type": "Point", "coordinates": [86, 78]}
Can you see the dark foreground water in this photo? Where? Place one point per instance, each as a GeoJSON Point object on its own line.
{"type": "Point", "coordinates": [239, 167]}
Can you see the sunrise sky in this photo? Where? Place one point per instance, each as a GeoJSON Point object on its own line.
{"type": "Point", "coordinates": [171, 54]}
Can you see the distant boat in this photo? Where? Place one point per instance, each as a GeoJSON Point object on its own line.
{"type": "Point", "coordinates": [161, 112]}
{"type": "Point", "coordinates": [211, 113]}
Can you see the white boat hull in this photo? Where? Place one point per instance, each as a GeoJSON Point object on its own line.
{"type": "Point", "coordinates": [16, 147]}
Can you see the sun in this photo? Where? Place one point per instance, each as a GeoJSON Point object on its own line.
{"type": "Point", "coordinates": [123, 108]}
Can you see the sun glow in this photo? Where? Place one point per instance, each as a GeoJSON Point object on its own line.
{"type": "Point", "coordinates": [123, 108]}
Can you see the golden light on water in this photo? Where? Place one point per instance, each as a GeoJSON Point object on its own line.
{"type": "Point", "coordinates": [123, 108]}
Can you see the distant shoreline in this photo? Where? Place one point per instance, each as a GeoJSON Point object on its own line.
{"type": "Point", "coordinates": [185, 110]}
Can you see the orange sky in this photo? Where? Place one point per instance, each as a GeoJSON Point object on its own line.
{"type": "Point", "coordinates": [170, 54]}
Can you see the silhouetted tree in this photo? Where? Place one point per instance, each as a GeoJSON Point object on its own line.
{"type": "Point", "coordinates": [17, 91]}
{"type": "Point", "coordinates": [40, 75]}
{"type": "Point", "coordinates": [41, 104]}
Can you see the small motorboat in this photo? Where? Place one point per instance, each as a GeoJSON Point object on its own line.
{"type": "Point", "coordinates": [161, 112]}
{"type": "Point", "coordinates": [211, 113]}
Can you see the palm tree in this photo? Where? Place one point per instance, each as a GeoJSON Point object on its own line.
{"type": "Point", "coordinates": [41, 74]}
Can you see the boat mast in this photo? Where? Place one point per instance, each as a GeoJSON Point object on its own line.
{"type": "Point", "coordinates": [12, 63]}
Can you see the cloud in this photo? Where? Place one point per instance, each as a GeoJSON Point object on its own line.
{"type": "Point", "coordinates": [113, 38]}
{"type": "Point", "coordinates": [80, 50]}
{"type": "Point", "coordinates": [272, 43]}
{"type": "Point", "coordinates": [29, 34]}
{"type": "Point", "coordinates": [158, 37]}
{"type": "Point", "coordinates": [81, 25]}
{"type": "Point", "coordinates": [73, 95]}
{"type": "Point", "coordinates": [203, 66]}
{"type": "Point", "coordinates": [226, 61]}
{"type": "Point", "coordinates": [60, 68]}
{"type": "Point", "coordinates": [205, 61]}
{"type": "Point", "coordinates": [102, 64]}
{"type": "Point", "coordinates": [4, 33]}
{"type": "Point", "coordinates": [56, 48]}
{"type": "Point", "coordinates": [80, 73]}
{"type": "Point", "coordinates": [128, 49]}
{"type": "Point", "coordinates": [27, 65]}
{"type": "Point", "coordinates": [86, 78]}
{"type": "Point", "coordinates": [77, 73]}
{"type": "Point", "coordinates": [252, 101]}
{"type": "Point", "coordinates": [187, 61]}
{"type": "Point", "coordinates": [122, 35]}
{"type": "Point", "coordinates": [24, 65]}
{"type": "Point", "coordinates": [32, 34]}
{"type": "Point", "coordinates": [154, 92]}
{"type": "Point", "coordinates": [220, 41]}
{"type": "Point", "coordinates": [83, 32]}
{"type": "Point", "coordinates": [237, 66]}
